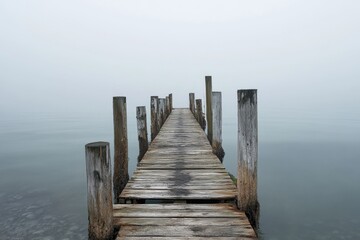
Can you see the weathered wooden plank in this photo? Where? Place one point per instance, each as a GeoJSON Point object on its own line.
{"type": "Point", "coordinates": [181, 194]}
{"type": "Point", "coordinates": [234, 221]}
{"type": "Point", "coordinates": [171, 206]}
{"type": "Point", "coordinates": [174, 187]}
{"type": "Point", "coordinates": [185, 231]}
{"type": "Point", "coordinates": [183, 213]}
{"type": "Point", "coordinates": [184, 238]}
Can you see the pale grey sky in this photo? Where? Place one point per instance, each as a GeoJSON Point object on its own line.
{"type": "Point", "coordinates": [71, 57]}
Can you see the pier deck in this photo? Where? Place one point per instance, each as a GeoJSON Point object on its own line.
{"type": "Point", "coordinates": [180, 189]}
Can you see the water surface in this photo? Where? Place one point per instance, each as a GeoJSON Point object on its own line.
{"type": "Point", "coordinates": [308, 188]}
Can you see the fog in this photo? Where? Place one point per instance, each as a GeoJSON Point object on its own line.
{"type": "Point", "coordinates": [70, 57]}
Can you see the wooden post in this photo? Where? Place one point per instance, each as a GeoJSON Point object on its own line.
{"type": "Point", "coordinates": [208, 84]}
{"type": "Point", "coordinates": [154, 104]}
{"type": "Point", "coordinates": [217, 126]}
{"type": "Point", "coordinates": [199, 113]}
{"type": "Point", "coordinates": [171, 102]}
{"type": "Point", "coordinates": [99, 192]}
{"type": "Point", "coordinates": [121, 175]}
{"type": "Point", "coordinates": [248, 154]}
{"type": "Point", "coordinates": [167, 106]}
{"type": "Point", "coordinates": [142, 131]}
{"type": "Point", "coordinates": [161, 115]}
{"type": "Point", "coordinates": [192, 103]}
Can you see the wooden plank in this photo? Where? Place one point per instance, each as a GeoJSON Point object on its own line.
{"type": "Point", "coordinates": [185, 231]}
{"type": "Point", "coordinates": [185, 238]}
{"type": "Point", "coordinates": [163, 206]}
{"type": "Point", "coordinates": [235, 221]}
{"type": "Point", "coordinates": [165, 213]}
{"type": "Point", "coordinates": [181, 194]}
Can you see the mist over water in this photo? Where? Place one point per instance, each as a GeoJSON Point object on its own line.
{"type": "Point", "coordinates": [61, 62]}
{"type": "Point", "coordinates": [307, 189]}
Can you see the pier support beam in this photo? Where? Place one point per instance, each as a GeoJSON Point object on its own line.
{"type": "Point", "coordinates": [167, 107]}
{"type": "Point", "coordinates": [192, 103]}
{"type": "Point", "coordinates": [142, 131]}
{"type": "Point", "coordinates": [208, 84]}
{"type": "Point", "coordinates": [199, 114]}
{"type": "Point", "coordinates": [217, 126]}
{"type": "Point", "coordinates": [121, 175]}
{"type": "Point", "coordinates": [161, 112]}
{"type": "Point", "coordinates": [154, 104]}
{"type": "Point", "coordinates": [99, 192]}
{"type": "Point", "coordinates": [248, 154]}
{"type": "Point", "coordinates": [171, 102]}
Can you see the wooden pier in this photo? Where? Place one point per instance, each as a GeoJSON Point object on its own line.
{"type": "Point", "coordinates": [180, 188]}
{"type": "Point", "coordinates": [179, 168]}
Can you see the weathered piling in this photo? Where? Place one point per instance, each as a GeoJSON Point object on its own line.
{"type": "Point", "coordinates": [142, 131]}
{"type": "Point", "coordinates": [248, 154]}
{"type": "Point", "coordinates": [192, 103]}
{"type": "Point", "coordinates": [167, 107]}
{"type": "Point", "coordinates": [171, 102]}
{"type": "Point", "coordinates": [99, 194]}
{"type": "Point", "coordinates": [154, 105]}
{"type": "Point", "coordinates": [161, 113]}
{"type": "Point", "coordinates": [208, 84]}
{"type": "Point", "coordinates": [217, 126]}
{"type": "Point", "coordinates": [121, 175]}
{"type": "Point", "coordinates": [199, 113]}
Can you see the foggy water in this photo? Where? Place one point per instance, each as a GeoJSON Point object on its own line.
{"type": "Point", "coordinates": [307, 189]}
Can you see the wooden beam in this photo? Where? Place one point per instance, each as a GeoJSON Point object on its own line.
{"type": "Point", "coordinates": [247, 152]}
{"type": "Point", "coordinates": [99, 192]}
{"type": "Point", "coordinates": [121, 175]}
{"type": "Point", "coordinates": [142, 131]}
{"type": "Point", "coordinates": [208, 83]}
{"type": "Point", "coordinates": [217, 126]}
{"type": "Point", "coordinates": [154, 105]}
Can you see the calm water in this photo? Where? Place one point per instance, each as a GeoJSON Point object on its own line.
{"type": "Point", "coordinates": [308, 188]}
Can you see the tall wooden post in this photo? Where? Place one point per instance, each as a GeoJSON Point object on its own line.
{"type": "Point", "coordinates": [171, 102]}
{"type": "Point", "coordinates": [142, 131]}
{"type": "Point", "coordinates": [248, 154]}
{"type": "Point", "coordinates": [167, 106]}
{"type": "Point", "coordinates": [161, 115]}
{"type": "Point", "coordinates": [99, 192]}
{"type": "Point", "coordinates": [121, 175]}
{"type": "Point", "coordinates": [192, 103]}
{"type": "Point", "coordinates": [154, 104]}
{"type": "Point", "coordinates": [209, 118]}
{"type": "Point", "coordinates": [217, 126]}
{"type": "Point", "coordinates": [199, 113]}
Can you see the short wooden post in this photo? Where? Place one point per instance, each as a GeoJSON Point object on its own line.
{"type": "Point", "coordinates": [248, 154]}
{"type": "Point", "coordinates": [171, 102]}
{"type": "Point", "coordinates": [208, 84]}
{"type": "Point", "coordinates": [199, 113]}
{"type": "Point", "coordinates": [192, 103]}
{"type": "Point", "coordinates": [161, 115]}
{"type": "Point", "coordinates": [217, 126]}
{"type": "Point", "coordinates": [99, 192]}
{"type": "Point", "coordinates": [121, 175]}
{"type": "Point", "coordinates": [142, 131]}
{"type": "Point", "coordinates": [167, 106]}
{"type": "Point", "coordinates": [154, 104]}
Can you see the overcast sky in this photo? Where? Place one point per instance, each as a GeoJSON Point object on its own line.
{"type": "Point", "coordinates": [71, 57]}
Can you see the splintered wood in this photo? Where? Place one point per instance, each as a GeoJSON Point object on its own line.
{"type": "Point", "coordinates": [180, 169]}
